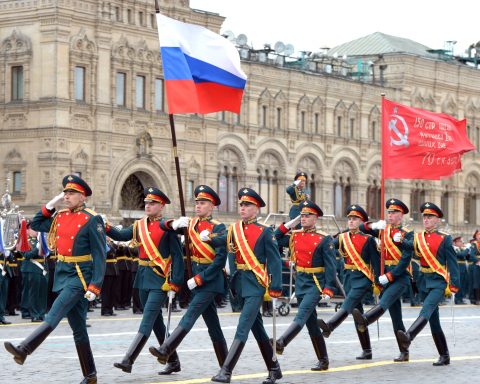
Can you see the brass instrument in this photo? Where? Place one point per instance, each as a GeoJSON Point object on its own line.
{"type": "Point", "coordinates": [10, 221]}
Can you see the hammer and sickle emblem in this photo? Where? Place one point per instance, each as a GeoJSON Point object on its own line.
{"type": "Point", "coordinates": [401, 139]}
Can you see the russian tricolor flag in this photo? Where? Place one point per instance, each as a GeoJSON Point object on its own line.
{"type": "Point", "coordinates": [201, 68]}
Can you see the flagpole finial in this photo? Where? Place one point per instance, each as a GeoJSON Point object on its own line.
{"type": "Point", "coordinates": [382, 94]}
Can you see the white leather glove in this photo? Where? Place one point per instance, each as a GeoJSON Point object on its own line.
{"type": "Point", "coordinates": [191, 283]}
{"type": "Point", "coordinates": [468, 246]}
{"type": "Point", "coordinates": [205, 235]}
{"type": "Point", "coordinates": [380, 224]}
{"type": "Point", "coordinates": [181, 222]}
{"type": "Point", "coordinates": [90, 296]}
{"type": "Point", "coordinates": [397, 237]}
{"type": "Point", "coordinates": [383, 280]}
{"type": "Point", "coordinates": [51, 204]}
{"type": "Point", "coordinates": [38, 245]}
{"type": "Point", "coordinates": [293, 223]}
{"type": "Point", "coordinates": [291, 264]}
{"type": "Point", "coordinates": [296, 182]}
{"type": "Point", "coordinates": [171, 294]}
{"type": "Point", "coordinates": [326, 298]}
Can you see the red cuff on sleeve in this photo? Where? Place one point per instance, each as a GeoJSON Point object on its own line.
{"type": "Point", "coordinates": [174, 287]}
{"type": "Point", "coordinates": [389, 276]}
{"type": "Point", "coordinates": [198, 280]}
{"type": "Point", "coordinates": [94, 289]}
{"type": "Point", "coordinates": [283, 229]}
{"type": "Point", "coordinates": [275, 294]}
{"type": "Point", "coordinates": [46, 212]}
{"type": "Point", "coordinates": [453, 289]}
{"type": "Point", "coordinates": [328, 292]}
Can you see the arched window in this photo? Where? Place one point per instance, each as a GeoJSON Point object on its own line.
{"type": "Point", "coordinates": [228, 179]}
{"type": "Point", "coordinates": [417, 198]}
{"type": "Point", "coordinates": [374, 208]}
{"type": "Point", "coordinates": [472, 197]}
{"type": "Point", "coordinates": [342, 196]}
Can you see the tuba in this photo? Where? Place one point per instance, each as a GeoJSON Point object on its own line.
{"type": "Point", "coordinates": [9, 222]}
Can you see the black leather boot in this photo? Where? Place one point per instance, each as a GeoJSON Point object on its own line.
{"type": "Point", "coordinates": [441, 343]}
{"type": "Point", "coordinates": [132, 353]}
{"type": "Point", "coordinates": [274, 371]}
{"type": "Point", "coordinates": [329, 326]}
{"type": "Point", "coordinates": [321, 352]}
{"type": "Point", "coordinates": [406, 338]}
{"type": "Point", "coordinates": [87, 363]}
{"type": "Point", "coordinates": [364, 320]}
{"type": "Point", "coordinates": [221, 351]}
{"type": "Point", "coordinates": [169, 346]}
{"type": "Point", "coordinates": [173, 365]}
{"type": "Point", "coordinates": [30, 344]}
{"type": "Point", "coordinates": [292, 331]}
{"type": "Point", "coordinates": [225, 374]}
{"type": "Point", "coordinates": [404, 354]}
{"type": "Point", "coordinates": [364, 338]}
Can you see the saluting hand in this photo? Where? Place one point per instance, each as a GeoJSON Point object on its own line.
{"type": "Point", "coordinates": [205, 235]}
{"type": "Point", "coordinates": [51, 204]}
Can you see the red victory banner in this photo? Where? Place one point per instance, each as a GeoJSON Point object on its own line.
{"type": "Point", "coordinates": [419, 144]}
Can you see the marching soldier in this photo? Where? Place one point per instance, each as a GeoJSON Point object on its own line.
{"type": "Point", "coordinates": [35, 279]}
{"type": "Point", "coordinates": [313, 256]}
{"type": "Point", "coordinates": [77, 235]}
{"type": "Point", "coordinates": [297, 194]}
{"type": "Point", "coordinates": [440, 269]}
{"type": "Point", "coordinates": [462, 253]}
{"type": "Point", "coordinates": [137, 308]}
{"type": "Point", "coordinates": [257, 258]}
{"type": "Point", "coordinates": [14, 300]}
{"type": "Point", "coordinates": [208, 261]}
{"type": "Point", "coordinates": [474, 258]}
{"type": "Point", "coordinates": [396, 278]}
{"type": "Point", "coordinates": [123, 281]}
{"type": "Point", "coordinates": [160, 273]}
{"type": "Point", "coordinates": [361, 268]}
{"type": "Point", "coordinates": [111, 273]}
{"type": "Point", "coordinates": [3, 288]}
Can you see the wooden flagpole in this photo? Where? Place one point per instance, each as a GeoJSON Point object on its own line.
{"type": "Point", "coordinates": [179, 180]}
{"type": "Point", "coordinates": [382, 196]}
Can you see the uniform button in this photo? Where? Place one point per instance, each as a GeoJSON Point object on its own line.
{"type": "Point", "coordinates": [67, 213]}
{"type": "Point", "coordinates": [69, 250]}
{"type": "Point", "coordinates": [79, 225]}
{"type": "Point", "coordinates": [58, 237]}
{"type": "Point", "coordinates": [72, 237]}
{"type": "Point", "coordinates": [86, 217]}
{"type": "Point", "coordinates": [58, 224]}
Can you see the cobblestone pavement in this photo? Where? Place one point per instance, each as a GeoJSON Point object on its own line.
{"type": "Point", "coordinates": [55, 361]}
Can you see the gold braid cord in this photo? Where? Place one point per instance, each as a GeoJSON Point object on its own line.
{"type": "Point", "coordinates": [52, 234]}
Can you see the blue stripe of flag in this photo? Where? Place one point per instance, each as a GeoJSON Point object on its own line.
{"type": "Point", "coordinates": [179, 66]}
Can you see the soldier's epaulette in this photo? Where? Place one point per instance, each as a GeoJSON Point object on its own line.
{"type": "Point", "coordinates": [215, 222]}
{"type": "Point", "coordinates": [404, 228]}
{"type": "Point", "coordinates": [443, 233]}
{"type": "Point", "coordinates": [91, 211]}
{"type": "Point", "coordinates": [319, 232]}
{"type": "Point", "coordinates": [296, 231]}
